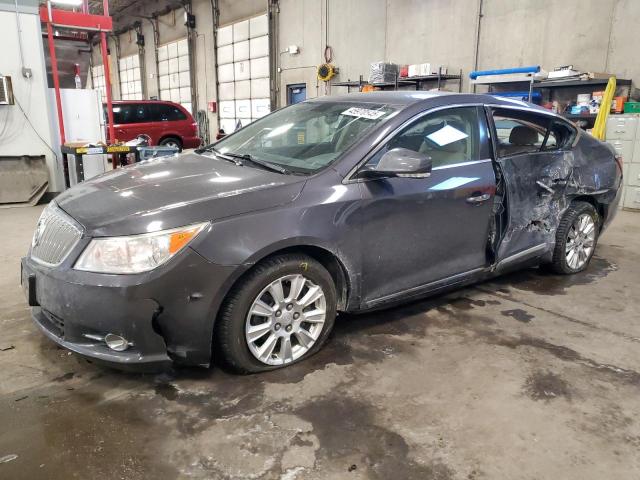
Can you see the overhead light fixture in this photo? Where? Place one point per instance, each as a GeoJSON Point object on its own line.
{"type": "Point", "coordinates": [71, 3]}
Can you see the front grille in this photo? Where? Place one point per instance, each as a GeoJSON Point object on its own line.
{"type": "Point", "coordinates": [56, 234]}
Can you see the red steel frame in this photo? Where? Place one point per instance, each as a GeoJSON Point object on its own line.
{"type": "Point", "coordinates": [80, 21]}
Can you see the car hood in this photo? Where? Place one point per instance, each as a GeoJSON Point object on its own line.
{"type": "Point", "coordinates": [174, 191]}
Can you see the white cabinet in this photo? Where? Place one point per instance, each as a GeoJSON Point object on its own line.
{"type": "Point", "coordinates": [624, 134]}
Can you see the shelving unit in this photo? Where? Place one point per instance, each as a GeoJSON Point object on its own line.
{"type": "Point", "coordinates": [417, 82]}
{"type": "Point", "coordinates": [564, 91]}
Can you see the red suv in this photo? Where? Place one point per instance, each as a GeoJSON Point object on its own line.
{"type": "Point", "coordinates": [166, 123]}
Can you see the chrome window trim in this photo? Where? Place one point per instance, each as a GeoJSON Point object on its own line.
{"type": "Point", "coordinates": [73, 223]}
{"type": "Point", "coordinates": [462, 164]}
{"type": "Point", "coordinates": [348, 178]}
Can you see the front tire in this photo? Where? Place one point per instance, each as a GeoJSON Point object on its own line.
{"type": "Point", "coordinates": [279, 314]}
{"type": "Point", "coordinates": [576, 239]}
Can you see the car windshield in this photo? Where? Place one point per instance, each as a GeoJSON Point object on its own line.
{"type": "Point", "coordinates": [306, 137]}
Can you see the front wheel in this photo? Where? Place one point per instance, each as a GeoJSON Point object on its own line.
{"type": "Point", "coordinates": [281, 313]}
{"type": "Point", "coordinates": [576, 239]}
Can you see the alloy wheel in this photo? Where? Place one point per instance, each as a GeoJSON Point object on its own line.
{"type": "Point", "coordinates": [580, 241]}
{"type": "Point", "coordinates": [285, 320]}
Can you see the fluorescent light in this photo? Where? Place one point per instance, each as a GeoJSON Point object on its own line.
{"type": "Point", "coordinates": [73, 3]}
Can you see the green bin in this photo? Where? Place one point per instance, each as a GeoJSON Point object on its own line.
{"type": "Point", "coordinates": [631, 107]}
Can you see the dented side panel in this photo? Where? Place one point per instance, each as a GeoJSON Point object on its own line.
{"type": "Point", "coordinates": [541, 186]}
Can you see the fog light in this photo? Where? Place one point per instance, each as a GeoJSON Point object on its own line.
{"type": "Point", "coordinates": [116, 342]}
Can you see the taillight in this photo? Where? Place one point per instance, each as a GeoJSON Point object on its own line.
{"type": "Point", "coordinates": [194, 125]}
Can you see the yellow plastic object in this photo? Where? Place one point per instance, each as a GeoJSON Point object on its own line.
{"type": "Point", "coordinates": [326, 72]}
{"type": "Point", "coordinates": [600, 127]}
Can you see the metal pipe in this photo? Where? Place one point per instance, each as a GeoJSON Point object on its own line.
{"type": "Point", "coordinates": [56, 78]}
{"type": "Point", "coordinates": [19, 38]}
{"type": "Point", "coordinates": [476, 53]}
{"type": "Point", "coordinates": [107, 81]}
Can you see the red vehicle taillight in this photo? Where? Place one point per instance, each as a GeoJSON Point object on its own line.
{"type": "Point", "coordinates": [194, 125]}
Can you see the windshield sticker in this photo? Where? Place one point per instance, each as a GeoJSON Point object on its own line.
{"type": "Point", "coordinates": [446, 135]}
{"type": "Point", "coordinates": [363, 113]}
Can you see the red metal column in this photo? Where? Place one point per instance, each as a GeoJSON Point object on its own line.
{"type": "Point", "coordinates": [107, 81]}
{"type": "Point", "coordinates": [56, 81]}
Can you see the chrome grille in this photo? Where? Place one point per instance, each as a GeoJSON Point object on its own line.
{"type": "Point", "coordinates": [56, 234]}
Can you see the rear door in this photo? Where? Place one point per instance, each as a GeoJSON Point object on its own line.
{"type": "Point", "coordinates": [417, 232]}
{"type": "Point", "coordinates": [168, 120]}
{"type": "Point", "coordinates": [130, 120]}
{"type": "Point", "coordinates": [534, 153]}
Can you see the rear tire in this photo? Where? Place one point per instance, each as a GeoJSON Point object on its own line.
{"type": "Point", "coordinates": [576, 239]}
{"type": "Point", "coordinates": [281, 329]}
{"type": "Point", "coordinates": [171, 142]}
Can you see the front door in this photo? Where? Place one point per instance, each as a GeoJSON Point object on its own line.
{"type": "Point", "coordinates": [417, 231]}
{"type": "Point", "coordinates": [536, 161]}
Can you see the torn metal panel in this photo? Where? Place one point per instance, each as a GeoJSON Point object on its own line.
{"type": "Point", "coordinates": [541, 186]}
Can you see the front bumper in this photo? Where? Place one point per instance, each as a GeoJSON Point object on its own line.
{"type": "Point", "coordinates": [167, 314]}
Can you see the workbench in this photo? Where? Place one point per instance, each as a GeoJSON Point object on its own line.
{"type": "Point", "coordinates": [80, 152]}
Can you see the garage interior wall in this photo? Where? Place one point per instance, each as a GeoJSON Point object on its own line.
{"type": "Point", "coordinates": [19, 136]}
{"type": "Point", "coordinates": [593, 35]}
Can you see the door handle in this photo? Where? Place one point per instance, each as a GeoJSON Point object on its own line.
{"type": "Point", "coordinates": [479, 198]}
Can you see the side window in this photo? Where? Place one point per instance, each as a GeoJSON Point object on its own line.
{"type": "Point", "coordinates": [129, 113]}
{"type": "Point", "coordinates": [524, 132]}
{"type": "Point", "coordinates": [166, 113]}
{"type": "Point", "coordinates": [561, 136]}
{"type": "Point", "coordinates": [121, 114]}
{"type": "Point", "coordinates": [447, 136]}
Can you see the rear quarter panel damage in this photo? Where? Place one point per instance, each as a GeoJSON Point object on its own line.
{"type": "Point", "coordinates": [541, 186]}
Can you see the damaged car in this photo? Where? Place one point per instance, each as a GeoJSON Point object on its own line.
{"type": "Point", "coordinates": [245, 250]}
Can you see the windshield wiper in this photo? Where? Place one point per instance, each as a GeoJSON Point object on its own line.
{"type": "Point", "coordinates": [262, 163]}
{"type": "Point", "coordinates": [219, 154]}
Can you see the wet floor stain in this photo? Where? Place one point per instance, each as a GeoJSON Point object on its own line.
{"type": "Point", "coordinates": [65, 377]}
{"type": "Point", "coordinates": [546, 386]}
{"type": "Point", "coordinates": [347, 428]}
{"type": "Point", "coordinates": [541, 282]}
{"type": "Point", "coordinates": [611, 372]}
{"type": "Point", "coordinates": [518, 314]}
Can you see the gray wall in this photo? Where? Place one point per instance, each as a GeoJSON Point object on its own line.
{"type": "Point", "coordinates": [594, 35]}
{"type": "Point", "coordinates": [28, 133]}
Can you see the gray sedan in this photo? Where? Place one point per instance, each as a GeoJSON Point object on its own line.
{"type": "Point", "coordinates": [246, 249]}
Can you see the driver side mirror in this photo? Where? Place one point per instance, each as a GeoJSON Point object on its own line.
{"type": "Point", "coordinates": [399, 162]}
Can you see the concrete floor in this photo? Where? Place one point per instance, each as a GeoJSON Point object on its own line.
{"type": "Point", "coordinates": [530, 376]}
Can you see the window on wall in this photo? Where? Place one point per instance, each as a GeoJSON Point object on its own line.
{"type": "Point", "coordinates": [243, 72]}
{"type": "Point", "coordinates": [173, 73]}
{"type": "Point", "coordinates": [97, 79]}
{"type": "Point", "coordinates": [130, 79]}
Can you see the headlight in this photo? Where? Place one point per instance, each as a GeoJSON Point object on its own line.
{"type": "Point", "coordinates": [136, 253]}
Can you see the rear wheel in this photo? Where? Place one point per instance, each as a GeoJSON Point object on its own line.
{"type": "Point", "coordinates": [281, 313]}
{"type": "Point", "coordinates": [172, 142]}
{"type": "Point", "coordinates": [576, 239]}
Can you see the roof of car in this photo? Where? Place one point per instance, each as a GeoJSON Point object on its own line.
{"type": "Point", "coordinates": [115, 102]}
{"type": "Point", "coordinates": [400, 97]}
{"type": "Point", "coordinates": [404, 98]}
